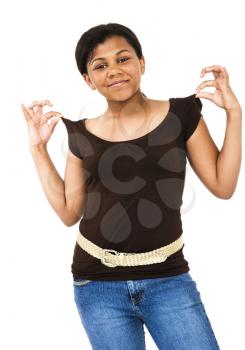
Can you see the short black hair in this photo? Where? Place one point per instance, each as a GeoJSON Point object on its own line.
{"type": "Point", "coordinates": [98, 34]}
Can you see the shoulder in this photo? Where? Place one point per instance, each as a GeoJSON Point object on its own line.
{"type": "Point", "coordinates": [94, 120]}
{"type": "Point", "coordinates": [178, 103]}
{"type": "Point", "coordinates": [187, 102]}
{"type": "Point", "coordinates": [158, 102]}
{"type": "Point", "coordinates": [158, 107]}
{"type": "Point", "coordinates": [71, 124]}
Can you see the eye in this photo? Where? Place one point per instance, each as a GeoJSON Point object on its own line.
{"type": "Point", "coordinates": [98, 67]}
{"type": "Point", "coordinates": [122, 58]}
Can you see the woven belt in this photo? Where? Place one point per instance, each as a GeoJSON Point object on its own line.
{"type": "Point", "coordinates": [112, 258]}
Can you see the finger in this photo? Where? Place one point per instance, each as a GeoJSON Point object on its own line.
{"type": "Point", "coordinates": [218, 68]}
{"type": "Point", "coordinates": [39, 103]}
{"type": "Point", "coordinates": [225, 71]}
{"type": "Point", "coordinates": [25, 112]}
{"type": "Point", "coordinates": [215, 68]}
{"type": "Point", "coordinates": [49, 115]}
{"type": "Point", "coordinates": [207, 95]}
{"type": "Point", "coordinates": [30, 106]}
{"type": "Point", "coordinates": [219, 71]}
{"type": "Point", "coordinates": [53, 124]}
{"type": "Point", "coordinates": [206, 83]}
{"type": "Point", "coordinates": [46, 102]}
{"type": "Point", "coordinates": [215, 74]}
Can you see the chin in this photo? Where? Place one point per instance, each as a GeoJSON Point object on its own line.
{"type": "Point", "coordinates": [118, 97]}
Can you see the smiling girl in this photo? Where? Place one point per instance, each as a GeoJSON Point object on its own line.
{"type": "Point", "coordinates": [124, 182]}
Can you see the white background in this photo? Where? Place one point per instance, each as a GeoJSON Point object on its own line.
{"type": "Point", "coordinates": [38, 40]}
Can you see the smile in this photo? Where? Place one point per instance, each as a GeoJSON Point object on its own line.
{"type": "Point", "coordinates": [118, 84]}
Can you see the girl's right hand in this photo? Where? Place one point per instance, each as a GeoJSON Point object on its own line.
{"type": "Point", "coordinates": [37, 122]}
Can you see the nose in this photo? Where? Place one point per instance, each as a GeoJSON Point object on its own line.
{"type": "Point", "coordinates": [113, 68]}
{"type": "Point", "coordinates": [114, 71]}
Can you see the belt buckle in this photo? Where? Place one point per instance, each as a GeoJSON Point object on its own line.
{"type": "Point", "coordinates": [103, 260]}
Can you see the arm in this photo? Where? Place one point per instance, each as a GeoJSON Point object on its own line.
{"type": "Point", "coordinates": [65, 197]}
{"type": "Point", "coordinates": [229, 159]}
{"type": "Point", "coordinates": [218, 170]}
{"type": "Point", "coordinates": [52, 183]}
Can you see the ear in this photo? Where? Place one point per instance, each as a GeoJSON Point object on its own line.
{"type": "Point", "coordinates": [142, 65]}
{"type": "Point", "coordinates": [88, 81]}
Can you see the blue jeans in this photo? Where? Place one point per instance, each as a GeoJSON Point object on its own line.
{"type": "Point", "coordinates": [113, 313]}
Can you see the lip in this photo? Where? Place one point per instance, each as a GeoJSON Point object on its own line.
{"type": "Point", "coordinates": [118, 83]}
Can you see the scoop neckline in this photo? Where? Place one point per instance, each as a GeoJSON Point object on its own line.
{"type": "Point", "coordinates": [141, 138]}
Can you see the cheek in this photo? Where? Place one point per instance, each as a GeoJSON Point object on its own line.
{"type": "Point", "coordinates": [136, 72]}
{"type": "Point", "coordinates": [133, 70]}
{"type": "Point", "coordinates": [99, 80]}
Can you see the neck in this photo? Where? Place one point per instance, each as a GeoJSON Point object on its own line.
{"type": "Point", "coordinates": [135, 105]}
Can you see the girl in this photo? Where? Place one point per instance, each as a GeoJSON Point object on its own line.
{"type": "Point", "coordinates": [124, 181]}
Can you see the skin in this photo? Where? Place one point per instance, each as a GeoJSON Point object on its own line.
{"type": "Point", "coordinates": [217, 169]}
{"type": "Point", "coordinates": [128, 100]}
{"type": "Point", "coordinates": [129, 113]}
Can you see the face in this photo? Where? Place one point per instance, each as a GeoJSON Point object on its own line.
{"type": "Point", "coordinates": [119, 62]}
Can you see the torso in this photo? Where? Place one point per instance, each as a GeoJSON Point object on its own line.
{"type": "Point", "coordinates": [132, 128]}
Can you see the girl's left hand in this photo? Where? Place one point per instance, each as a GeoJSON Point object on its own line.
{"type": "Point", "coordinates": [223, 96]}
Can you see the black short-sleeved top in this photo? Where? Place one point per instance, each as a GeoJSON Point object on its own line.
{"type": "Point", "coordinates": [133, 193]}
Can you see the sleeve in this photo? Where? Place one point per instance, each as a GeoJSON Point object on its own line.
{"type": "Point", "coordinates": [73, 137]}
{"type": "Point", "coordinates": [192, 115]}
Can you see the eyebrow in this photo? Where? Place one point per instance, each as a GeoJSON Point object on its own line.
{"type": "Point", "coordinates": [103, 58]}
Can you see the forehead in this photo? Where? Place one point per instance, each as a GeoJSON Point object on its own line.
{"type": "Point", "coordinates": [110, 47]}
